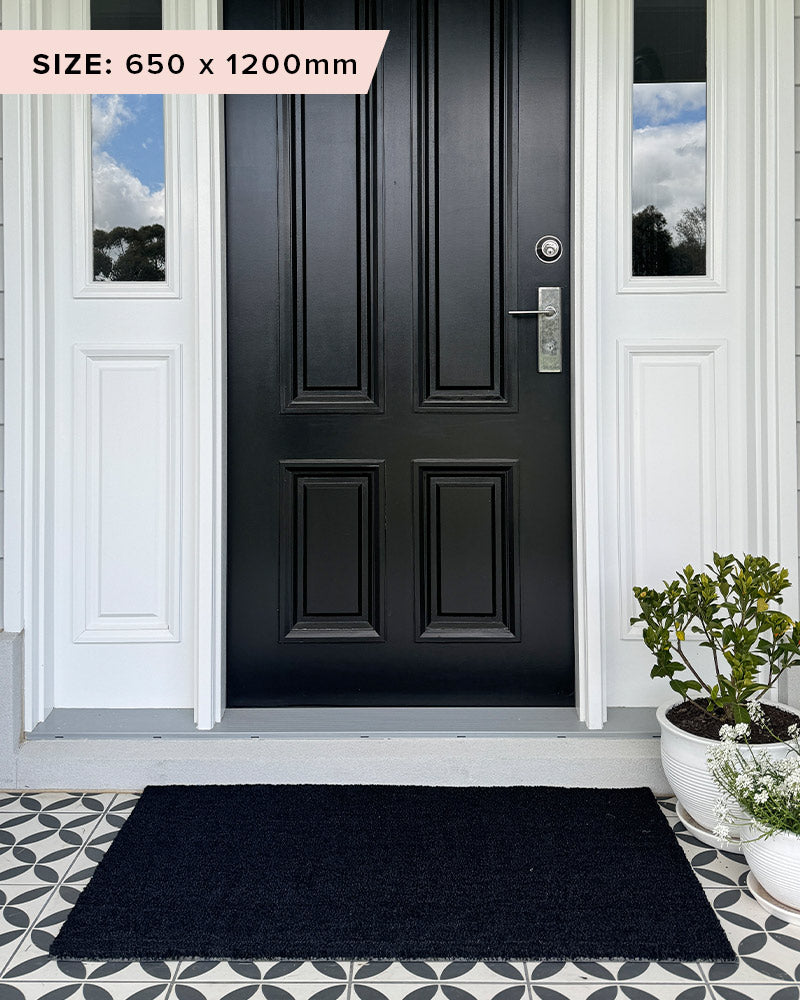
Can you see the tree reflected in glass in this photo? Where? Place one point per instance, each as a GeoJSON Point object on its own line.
{"type": "Point", "coordinates": [126, 254]}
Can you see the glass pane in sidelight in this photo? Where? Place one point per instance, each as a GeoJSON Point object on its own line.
{"type": "Point", "coordinates": [669, 138]}
{"type": "Point", "coordinates": [126, 14]}
{"type": "Point", "coordinates": [128, 170]}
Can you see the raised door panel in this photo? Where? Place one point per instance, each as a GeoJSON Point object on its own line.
{"type": "Point", "coordinates": [673, 470]}
{"type": "Point", "coordinates": [332, 554]}
{"type": "Point", "coordinates": [465, 140]}
{"type": "Point", "coordinates": [329, 178]}
{"type": "Point", "coordinates": [127, 494]}
{"type": "Point", "coordinates": [466, 514]}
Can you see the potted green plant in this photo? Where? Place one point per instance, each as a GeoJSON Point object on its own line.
{"type": "Point", "coordinates": [733, 610]}
{"type": "Point", "coordinates": [760, 803]}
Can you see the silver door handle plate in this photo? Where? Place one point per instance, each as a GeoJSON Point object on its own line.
{"type": "Point", "coordinates": [549, 313]}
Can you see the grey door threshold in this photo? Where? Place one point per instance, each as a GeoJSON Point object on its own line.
{"type": "Point", "coordinates": [327, 723]}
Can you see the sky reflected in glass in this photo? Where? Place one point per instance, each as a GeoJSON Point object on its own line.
{"type": "Point", "coordinates": [128, 181]}
{"type": "Point", "coordinates": [128, 159]}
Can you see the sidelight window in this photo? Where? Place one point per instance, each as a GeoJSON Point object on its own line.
{"type": "Point", "coordinates": [128, 166]}
{"type": "Point", "coordinates": [669, 165]}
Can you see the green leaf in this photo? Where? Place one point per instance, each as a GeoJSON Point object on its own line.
{"type": "Point", "coordinates": [731, 606]}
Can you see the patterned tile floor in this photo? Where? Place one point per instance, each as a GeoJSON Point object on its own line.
{"type": "Point", "coordinates": [51, 841]}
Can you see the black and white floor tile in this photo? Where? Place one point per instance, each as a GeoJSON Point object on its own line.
{"type": "Point", "coordinates": [50, 842]}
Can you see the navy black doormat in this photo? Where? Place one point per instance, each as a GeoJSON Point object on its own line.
{"type": "Point", "coordinates": [236, 872]}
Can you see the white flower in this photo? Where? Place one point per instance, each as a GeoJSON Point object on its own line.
{"type": "Point", "coordinates": [756, 712]}
{"type": "Point", "coordinates": [792, 783]}
{"type": "Point", "coordinates": [721, 808]}
{"type": "Point", "coordinates": [723, 834]}
{"type": "Point", "coordinates": [720, 756]}
{"type": "Point", "coordinates": [749, 779]}
{"type": "Point", "coordinates": [730, 734]}
{"type": "Point", "coordinates": [794, 731]}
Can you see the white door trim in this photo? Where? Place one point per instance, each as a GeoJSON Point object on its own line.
{"type": "Point", "coordinates": [27, 521]}
{"type": "Point", "coordinates": [212, 409]}
{"type": "Point", "coordinates": [209, 688]}
{"type": "Point", "coordinates": [587, 554]}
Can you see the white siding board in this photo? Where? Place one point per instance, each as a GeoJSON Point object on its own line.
{"type": "Point", "coordinates": [797, 338]}
{"type": "Point", "coordinates": [797, 117]}
{"type": "Point", "coordinates": [2, 269]}
{"type": "Point", "coordinates": [797, 184]}
{"type": "Point", "coordinates": [798, 449]}
{"type": "Point", "coordinates": [797, 256]}
{"type": "Point", "coordinates": [796, 47]}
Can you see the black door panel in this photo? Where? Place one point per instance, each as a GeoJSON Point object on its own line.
{"type": "Point", "coordinates": [399, 505]}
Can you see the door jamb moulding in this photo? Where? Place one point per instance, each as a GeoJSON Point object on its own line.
{"type": "Point", "coordinates": [210, 389]}
{"type": "Point", "coordinates": [586, 482]}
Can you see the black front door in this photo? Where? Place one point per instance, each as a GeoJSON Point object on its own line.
{"type": "Point", "coordinates": [399, 489]}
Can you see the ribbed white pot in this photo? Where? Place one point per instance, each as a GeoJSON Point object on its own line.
{"type": "Point", "coordinates": [683, 757]}
{"type": "Point", "coordinates": [775, 862]}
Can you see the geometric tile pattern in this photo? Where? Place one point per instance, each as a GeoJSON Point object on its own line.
{"type": "Point", "coordinates": [50, 843]}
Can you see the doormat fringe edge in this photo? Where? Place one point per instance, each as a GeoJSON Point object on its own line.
{"type": "Point", "coordinates": [394, 958]}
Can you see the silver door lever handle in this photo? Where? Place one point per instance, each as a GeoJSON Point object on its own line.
{"type": "Point", "coordinates": [549, 311]}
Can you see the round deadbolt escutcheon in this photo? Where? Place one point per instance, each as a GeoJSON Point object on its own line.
{"type": "Point", "coordinates": [549, 249]}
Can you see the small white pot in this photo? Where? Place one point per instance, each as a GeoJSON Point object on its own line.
{"type": "Point", "coordinates": [775, 862]}
{"type": "Point", "coordinates": [683, 757]}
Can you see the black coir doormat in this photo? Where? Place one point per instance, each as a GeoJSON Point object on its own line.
{"type": "Point", "coordinates": [393, 872]}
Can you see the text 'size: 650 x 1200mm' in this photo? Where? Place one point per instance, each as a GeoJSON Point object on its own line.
{"type": "Point", "coordinates": [154, 63]}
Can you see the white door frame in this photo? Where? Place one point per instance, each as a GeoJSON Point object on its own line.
{"type": "Point", "coordinates": [27, 516]}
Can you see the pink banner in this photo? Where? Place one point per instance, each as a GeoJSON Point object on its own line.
{"type": "Point", "coordinates": [189, 62]}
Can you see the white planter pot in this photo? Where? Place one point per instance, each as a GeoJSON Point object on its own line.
{"type": "Point", "coordinates": [683, 757]}
{"type": "Point", "coordinates": [775, 862]}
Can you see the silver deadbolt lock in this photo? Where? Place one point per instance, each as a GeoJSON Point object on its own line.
{"type": "Point", "coordinates": [549, 249]}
